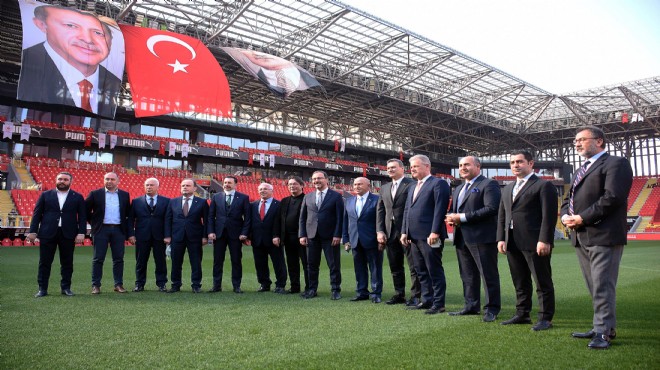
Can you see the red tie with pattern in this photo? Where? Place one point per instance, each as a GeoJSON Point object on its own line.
{"type": "Point", "coordinates": [262, 210]}
{"type": "Point", "coordinates": [85, 91]}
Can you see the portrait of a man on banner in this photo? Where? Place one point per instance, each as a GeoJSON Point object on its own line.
{"type": "Point", "coordinates": [70, 57]}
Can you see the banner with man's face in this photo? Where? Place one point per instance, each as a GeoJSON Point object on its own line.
{"type": "Point", "coordinates": [70, 57]}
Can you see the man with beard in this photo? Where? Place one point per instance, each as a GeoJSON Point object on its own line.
{"type": "Point", "coordinates": [59, 221]}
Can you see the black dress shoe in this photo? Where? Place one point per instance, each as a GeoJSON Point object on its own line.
{"type": "Point", "coordinates": [238, 290]}
{"type": "Point", "coordinates": [174, 290]}
{"type": "Point", "coordinates": [463, 312]}
{"type": "Point", "coordinates": [263, 289]}
{"type": "Point", "coordinates": [335, 295]}
{"type": "Point", "coordinates": [215, 289]}
{"type": "Point", "coordinates": [590, 334]}
{"type": "Point", "coordinates": [542, 325]}
{"type": "Point", "coordinates": [397, 299]}
{"type": "Point", "coordinates": [517, 320]}
{"type": "Point", "coordinates": [67, 292]}
{"type": "Point", "coordinates": [412, 302]}
{"type": "Point", "coordinates": [197, 290]}
{"type": "Point", "coordinates": [599, 341]}
{"type": "Point", "coordinates": [138, 288]}
{"type": "Point", "coordinates": [375, 300]}
{"type": "Point", "coordinates": [41, 293]}
{"type": "Point", "coordinates": [359, 298]}
{"type": "Point", "coordinates": [280, 290]}
{"type": "Point", "coordinates": [434, 310]}
{"type": "Point", "coordinates": [489, 317]}
{"type": "Point", "coordinates": [162, 289]}
{"type": "Point", "coordinates": [309, 294]}
{"type": "Point", "coordinates": [420, 306]}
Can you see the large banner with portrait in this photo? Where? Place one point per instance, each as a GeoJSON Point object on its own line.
{"type": "Point", "coordinates": [70, 57]}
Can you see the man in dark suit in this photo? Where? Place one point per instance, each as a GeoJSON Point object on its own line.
{"type": "Point", "coordinates": [265, 214]}
{"type": "Point", "coordinates": [595, 211]}
{"type": "Point", "coordinates": [360, 235]}
{"type": "Point", "coordinates": [286, 233]}
{"type": "Point", "coordinates": [185, 229]}
{"type": "Point", "coordinates": [146, 223]}
{"type": "Point", "coordinates": [228, 225]}
{"type": "Point", "coordinates": [320, 231]}
{"type": "Point", "coordinates": [107, 212]}
{"type": "Point", "coordinates": [389, 217]}
{"type": "Point", "coordinates": [59, 221]}
{"type": "Point", "coordinates": [65, 69]}
{"type": "Point", "coordinates": [424, 230]}
{"type": "Point", "coordinates": [474, 217]}
{"type": "Point", "coordinates": [525, 233]}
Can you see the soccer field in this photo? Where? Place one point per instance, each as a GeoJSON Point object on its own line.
{"type": "Point", "coordinates": [152, 330]}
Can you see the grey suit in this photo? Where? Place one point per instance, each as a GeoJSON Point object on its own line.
{"type": "Point", "coordinates": [389, 218]}
{"type": "Point", "coordinates": [600, 198]}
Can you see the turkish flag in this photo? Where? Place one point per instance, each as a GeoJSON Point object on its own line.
{"type": "Point", "coordinates": [336, 145]}
{"type": "Point", "coordinates": [169, 72]}
{"type": "Point", "coordinates": [161, 148]}
{"type": "Point", "coordinates": [401, 156]}
{"type": "Point", "coordinates": [88, 138]}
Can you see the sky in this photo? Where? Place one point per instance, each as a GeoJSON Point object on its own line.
{"type": "Point", "coordinates": [560, 46]}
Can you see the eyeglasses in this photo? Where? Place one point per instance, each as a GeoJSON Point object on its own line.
{"type": "Point", "coordinates": [580, 140]}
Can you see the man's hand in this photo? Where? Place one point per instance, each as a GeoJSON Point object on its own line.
{"type": "Point", "coordinates": [433, 238]}
{"type": "Point", "coordinates": [336, 241]}
{"type": "Point", "coordinates": [382, 238]}
{"type": "Point", "coordinates": [276, 242]}
{"type": "Point", "coordinates": [543, 249]}
{"type": "Point", "coordinates": [303, 241]}
{"type": "Point", "coordinates": [404, 240]}
{"type": "Point", "coordinates": [573, 222]}
{"type": "Point", "coordinates": [347, 246]}
{"type": "Point", "coordinates": [167, 240]}
{"type": "Point", "coordinates": [212, 237]}
{"type": "Point", "coordinates": [132, 239]}
{"type": "Point", "coordinates": [80, 238]}
{"type": "Point", "coordinates": [453, 219]}
{"type": "Point", "coordinates": [31, 237]}
{"type": "Point", "coordinates": [242, 238]}
{"type": "Point", "coordinates": [501, 247]}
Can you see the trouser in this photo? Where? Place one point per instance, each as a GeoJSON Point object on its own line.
{"type": "Point", "coordinates": [47, 250]}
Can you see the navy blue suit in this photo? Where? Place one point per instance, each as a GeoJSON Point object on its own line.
{"type": "Point", "coordinates": [45, 220]}
{"type": "Point", "coordinates": [319, 226]}
{"type": "Point", "coordinates": [261, 236]}
{"type": "Point", "coordinates": [360, 231]}
{"type": "Point", "coordinates": [421, 217]}
{"type": "Point", "coordinates": [104, 234]}
{"type": "Point", "coordinates": [476, 243]}
{"type": "Point", "coordinates": [186, 232]}
{"type": "Point", "coordinates": [228, 223]}
{"type": "Point", "coordinates": [147, 225]}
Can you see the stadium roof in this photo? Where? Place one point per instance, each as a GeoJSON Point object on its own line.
{"type": "Point", "coordinates": [388, 84]}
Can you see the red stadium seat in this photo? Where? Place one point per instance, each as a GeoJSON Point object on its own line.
{"type": "Point", "coordinates": [87, 242]}
{"type": "Point", "coordinates": [6, 242]}
{"type": "Point", "coordinates": [18, 242]}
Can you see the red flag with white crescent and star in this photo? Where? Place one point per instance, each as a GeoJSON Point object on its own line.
{"type": "Point", "coordinates": [169, 72]}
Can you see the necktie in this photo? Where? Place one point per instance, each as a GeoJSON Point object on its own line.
{"type": "Point", "coordinates": [262, 210]}
{"type": "Point", "coordinates": [359, 205]}
{"type": "Point", "coordinates": [186, 207]}
{"type": "Point", "coordinates": [284, 82]}
{"type": "Point", "coordinates": [516, 188]}
{"type": "Point", "coordinates": [461, 195]}
{"type": "Point", "coordinates": [151, 202]}
{"type": "Point", "coordinates": [319, 199]}
{"type": "Point", "coordinates": [578, 177]}
{"type": "Point", "coordinates": [394, 186]}
{"type": "Point", "coordinates": [227, 201]}
{"type": "Point", "coordinates": [85, 91]}
{"type": "Point", "coordinates": [419, 186]}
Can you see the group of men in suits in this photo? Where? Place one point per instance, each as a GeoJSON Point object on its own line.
{"type": "Point", "coordinates": [408, 218]}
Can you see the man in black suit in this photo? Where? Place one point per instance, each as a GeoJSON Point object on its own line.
{"type": "Point", "coordinates": [185, 229]}
{"type": "Point", "coordinates": [525, 233]}
{"type": "Point", "coordinates": [107, 212]}
{"type": "Point", "coordinates": [264, 215]}
{"type": "Point", "coordinates": [228, 225]}
{"type": "Point", "coordinates": [286, 233]}
{"type": "Point", "coordinates": [424, 230]}
{"type": "Point", "coordinates": [59, 221]}
{"type": "Point", "coordinates": [320, 231]}
{"type": "Point", "coordinates": [65, 69]}
{"type": "Point", "coordinates": [595, 211]}
{"type": "Point", "coordinates": [389, 217]}
{"type": "Point", "coordinates": [474, 217]}
{"type": "Point", "coordinates": [145, 230]}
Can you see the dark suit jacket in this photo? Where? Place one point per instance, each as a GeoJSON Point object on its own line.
{"type": "Point", "coordinates": [427, 213]}
{"type": "Point", "coordinates": [534, 214]}
{"type": "Point", "coordinates": [237, 220]}
{"type": "Point", "coordinates": [41, 81]}
{"type": "Point", "coordinates": [480, 206]}
{"type": "Point", "coordinates": [261, 233]}
{"type": "Point", "coordinates": [144, 224]}
{"type": "Point", "coordinates": [325, 222]}
{"type": "Point", "coordinates": [191, 228]}
{"type": "Point", "coordinates": [389, 214]}
{"type": "Point", "coordinates": [279, 228]}
{"type": "Point", "coordinates": [306, 81]}
{"type": "Point", "coordinates": [47, 213]}
{"type": "Point", "coordinates": [601, 199]}
{"type": "Point", "coordinates": [361, 229]}
{"type": "Point", "coordinates": [96, 209]}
